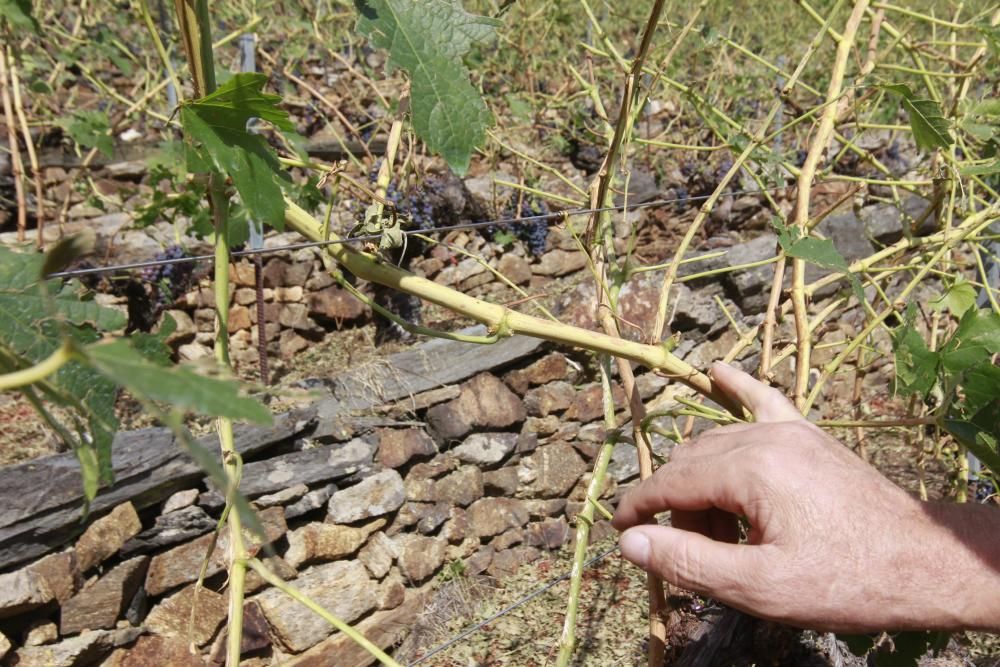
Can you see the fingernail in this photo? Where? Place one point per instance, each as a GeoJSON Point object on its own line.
{"type": "Point", "coordinates": [635, 547]}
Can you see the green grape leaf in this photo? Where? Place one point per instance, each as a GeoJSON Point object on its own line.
{"type": "Point", "coordinates": [820, 252]}
{"type": "Point", "coordinates": [179, 386]}
{"type": "Point", "coordinates": [974, 341]}
{"type": "Point", "coordinates": [930, 127]}
{"type": "Point", "coordinates": [981, 169]}
{"type": "Point", "coordinates": [980, 434]}
{"type": "Point", "coordinates": [90, 129]}
{"type": "Point", "coordinates": [18, 14]}
{"type": "Point", "coordinates": [959, 298]}
{"type": "Point", "coordinates": [217, 139]}
{"type": "Point", "coordinates": [916, 365]}
{"type": "Point", "coordinates": [428, 39]}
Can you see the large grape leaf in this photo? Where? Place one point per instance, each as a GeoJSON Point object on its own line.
{"type": "Point", "coordinates": [34, 316]}
{"type": "Point", "coordinates": [177, 386]}
{"type": "Point", "coordinates": [217, 139]}
{"type": "Point", "coordinates": [428, 39]}
{"type": "Point", "coordinates": [930, 127]}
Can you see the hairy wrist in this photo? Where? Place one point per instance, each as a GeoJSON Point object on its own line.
{"type": "Point", "coordinates": [961, 555]}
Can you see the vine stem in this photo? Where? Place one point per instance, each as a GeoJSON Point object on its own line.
{"type": "Point", "coordinates": [39, 371]}
{"type": "Point", "coordinates": [16, 165]}
{"type": "Point", "coordinates": [195, 29]}
{"type": "Point", "coordinates": [584, 520]}
{"type": "Point", "coordinates": [817, 150]}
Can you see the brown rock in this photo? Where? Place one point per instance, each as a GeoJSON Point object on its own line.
{"type": "Point", "coordinates": [419, 556]}
{"type": "Point", "coordinates": [275, 564]}
{"type": "Point", "coordinates": [397, 446]}
{"type": "Point", "coordinates": [106, 536]}
{"type": "Point", "coordinates": [39, 633]}
{"type": "Point", "coordinates": [22, 591]}
{"type": "Point", "coordinates": [391, 592]}
{"type": "Point", "coordinates": [560, 262]}
{"type": "Point", "coordinates": [172, 617]}
{"type": "Point", "coordinates": [283, 497]}
{"type": "Point", "coordinates": [383, 629]}
{"type": "Point", "coordinates": [256, 631]}
{"type": "Point", "coordinates": [296, 316]}
{"type": "Point", "coordinates": [409, 515]}
{"type": "Point", "coordinates": [291, 343]}
{"type": "Point", "coordinates": [507, 539]}
{"type": "Point", "coordinates": [433, 518]}
{"type": "Point", "coordinates": [462, 487]}
{"type": "Point", "coordinates": [288, 294]}
{"type": "Point", "coordinates": [326, 541]}
{"type": "Point", "coordinates": [492, 516]}
{"type": "Point", "coordinates": [378, 554]}
{"type": "Point", "coordinates": [150, 650]}
{"type": "Point", "coordinates": [60, 573]}
{"type": "Point", "coordinates": [242, 273]}
{"type": "Point", "coordinates": [337, 305]}
{"type": "Point", "coordinates": [548, 534]}
{"type": "Point", "coordinates": [239, 318]}
{"type": "Point", "coordinates": [588, 405]}
{"type": "Point", "coordinates": [86, 649]}
{"type": "Point", "coordinates": [456, 529]}
{"type": "Point", "coordinates": [551, 471]}
{"type": "Point", "coordinates": [342, 587]}
{"type": "Point", "coordinates": [181, 564]}
{"type": "Point", "coordinates": [502, 482]}
{"type": "Point", "coordinates": [479, 561]}
{"type": "Point", "coordinates": [485, 402]}
{"type": "Point", "coordinates": [542, 425]}
{"type": "Point", "coordinates": [550, 398]}
{"type": "Point", "coordinates": [274, 272]}
{"type": "Point", "coordinates": [434, 468]}
{"type": "Point", "coordinates": [505, 563]}
{"type": "Point", "coordinates": [515, 269]}
{"type": "Point", "coordinates": [379, 494]}
{"type": "Point", "coordinates": [4, 646]}
{"type": "Point", "coordinates": [551, 367]}
{"type": "Point", "coordinates": [420, 490]}
{"type": "Point", "coordinates": [539, 509]}
{"type": "Point", "coordinates": [98, 606]}
{"type": "Point", "coordinates": [271, 313]}
{"type": "Point", "coordinates": [244, 296]}
{"type": "Point", "coordinates": [185, 327]}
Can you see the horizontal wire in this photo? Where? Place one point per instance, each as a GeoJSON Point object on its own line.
{"type": "Point", "coordinates": [408, 232]}
{"type": "Point", "coordinates": [503, 612]}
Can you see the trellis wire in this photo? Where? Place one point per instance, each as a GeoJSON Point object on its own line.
{"type": "Point", "coordinates": [506, 610]}
{"type": "Point", "coordinates": [503, 222]}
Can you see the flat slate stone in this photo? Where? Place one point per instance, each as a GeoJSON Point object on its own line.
{"type": "Point", "coordinates": [86, 649]}
{"type": "Point", "coordinates": [41, 500]}
{"type": "Point", "coordinates": [311, 466]}
{"type": "Point", "coordinates": [169, 529]}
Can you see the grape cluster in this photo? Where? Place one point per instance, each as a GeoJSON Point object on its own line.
{"type": "Point", "coordinates": [533, 233]}
{"type": "Point", "coordinates": [984, 490]}
{"type": "Point", "coordinates": [168, 281]}
{"type": "Point", "coordinates": [412, 204]}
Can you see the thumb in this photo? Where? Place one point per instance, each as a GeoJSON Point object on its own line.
{"type": "Point", "coordinates": [691, 560]}
{"type": "Point", "coordinates": [766, 403]}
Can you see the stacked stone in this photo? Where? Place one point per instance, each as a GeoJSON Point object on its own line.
{"type": "Point", "coordinates": [489, 472]}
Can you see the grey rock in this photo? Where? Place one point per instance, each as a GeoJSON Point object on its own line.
{"type": "Point", "coordinates": [486, 449]}
{"type": "Point", "coordinates": [312, 501]}
{"type": "Point", "coordinates": [326, 541]}
{"type": "Point", "coordinates": [170, 529]}
{"type": "Point", "coordinates": [375, 496]}
{"type": "Point", "coordinates": [106, 536]}
{"type": "Point", "coordinates": [378, 554]}
{"type": "Point", "coordinates": [550, 471]}
{"type": "Point", "coordinates": [23, 591]}
{"type": "Point", "coordinates": [284, 497]}
{"type": "Point", "coordinates": [180, 500]}
{"type": "Point", "coordinates": [311, 466]}
{"type": "Point", "coordinates": [749, 284]}
{"type": "Point", "coordinates": [86, 649]}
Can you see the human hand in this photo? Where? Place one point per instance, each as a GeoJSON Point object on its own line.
{"type": "Point", "coordinates": [833, 545]}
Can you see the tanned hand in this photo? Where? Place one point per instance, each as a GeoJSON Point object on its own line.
{"type": "Point", "coordinates": [833, 545]}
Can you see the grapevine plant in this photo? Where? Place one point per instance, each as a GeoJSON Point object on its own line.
{"type": "Point", "coordinates": [57, 345]}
